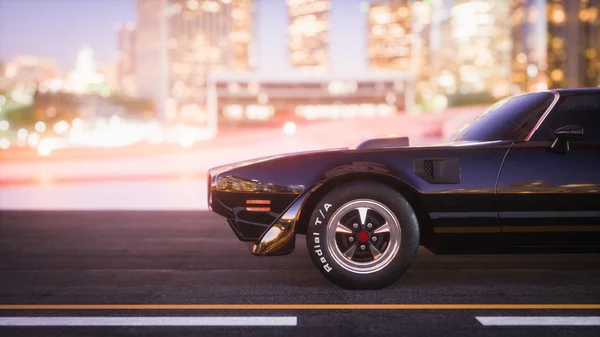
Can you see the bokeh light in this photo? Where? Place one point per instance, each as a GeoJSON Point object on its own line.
{"type": "Point", "coordinates": [289, 128]}
{"type": "Point", "coordinates": [40, 126]}
{"type": "Point", "coordinates": [61, 127]}
{"type": "Point", "coordinates": [4, 125]}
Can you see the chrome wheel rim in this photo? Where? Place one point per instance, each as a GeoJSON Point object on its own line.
{"type": "Point", "coordinates": [363, 236]}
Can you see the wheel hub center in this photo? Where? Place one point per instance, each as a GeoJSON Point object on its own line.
{"type": "Point", "coordinates": [363, 236]}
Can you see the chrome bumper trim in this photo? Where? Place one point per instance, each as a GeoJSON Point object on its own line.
{"type": "Point", "coordinates": [278, 239]}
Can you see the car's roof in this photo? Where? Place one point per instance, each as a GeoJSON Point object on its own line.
{"type": "Point", "coordinates": [572, 91]}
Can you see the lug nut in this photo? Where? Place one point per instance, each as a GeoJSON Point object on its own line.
{"type": "Point", "coordinates": [374, 239]}
{"type": "Point", "coordinates": [362, 247]}
{"type": "Point", "coordinates": [351, 239]}
{"type": "Point", "coordinates": [355, 225]}
{"type": "Point", "coordinates": [369, 225]}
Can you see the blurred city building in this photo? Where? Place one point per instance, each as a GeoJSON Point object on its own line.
{"type": "Point", "coordinates": [243, 98]}
{"type": "Point", "coordinates": [179, 42]}
{"type": "Point", "coordinates": [441, 47]}
{"type": "Point", "coordinates": [481, 48]}
{"type": "Point", "coordinates": [109, 71]}
{"type": "Point", "coordinates": [556, 44]}
{"type": "Point", "coordinates": [125, 63]}
{"type": "Point", "coordinates": [24, 74]}
{"type": "Point", "coordinates": [390, 36]}
{"type": "Point", "coordinates": [151, 52]}
{"type": "Point", "coordinates": [29, 70]}
{"type": "Point", "coordinates": [3, 79]}
{"type": "Point", "coordinates": [85, 77]}
{"type": "Point", "coordinates": [192, 65]}
{"type": "Point", "coordinates": [399, 38]}
{"type": "Point", "coordinates": [308, 34]}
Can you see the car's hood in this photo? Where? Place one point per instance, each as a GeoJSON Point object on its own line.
{"type": "Point", "coordinates": [402, 143]}
{"type": "Point", "coordinates": [219, 169]}
{"type": "Point", "coordinates": [467, 143]}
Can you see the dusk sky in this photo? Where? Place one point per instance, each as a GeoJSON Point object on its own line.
{"type": "Point", "coordinates": [59, 28]}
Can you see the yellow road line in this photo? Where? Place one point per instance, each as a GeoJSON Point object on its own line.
{"type": "Point", "coordinates": [293, 306]}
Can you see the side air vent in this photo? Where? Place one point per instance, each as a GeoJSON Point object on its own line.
{"type": "Point", "coordinates": [428, 167]}
{"type": "Point", "coordinates": [438, 170]}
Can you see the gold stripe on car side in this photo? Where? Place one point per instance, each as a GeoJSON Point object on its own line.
{"type": "Point", "coordinates": [467, 229]}
{"type": "Point", "coordinates": [515, 229]}
{"type": "Point", "coordinates": [529, 229]}
{"type": "Point", "coordinates": [305, 306]}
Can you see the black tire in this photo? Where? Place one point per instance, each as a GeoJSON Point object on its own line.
{"type": "Point", "coordinates": [327, 254]}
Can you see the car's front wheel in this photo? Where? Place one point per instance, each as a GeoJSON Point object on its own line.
{"type": "Point", "coordinates": [363, 235]}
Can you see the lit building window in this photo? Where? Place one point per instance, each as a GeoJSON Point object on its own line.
{"type": "Point", "coordinates": [177, 50]}
{"type": "Point", "coordinates": [308, 31]}
{"type": "Point", "coordinates": [547, 41]}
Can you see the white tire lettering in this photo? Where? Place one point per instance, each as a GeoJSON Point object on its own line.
{"type": "Point", "coordinates": [317, 240]}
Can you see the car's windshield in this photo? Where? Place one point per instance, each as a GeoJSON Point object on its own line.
{"type": "Point", "coordinates": [509, 119]}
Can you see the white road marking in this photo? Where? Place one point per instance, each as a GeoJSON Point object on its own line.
{"type": "Point", "coordinates": [539, 320]}
{"type": "Point", "coordinates": [150, 321]}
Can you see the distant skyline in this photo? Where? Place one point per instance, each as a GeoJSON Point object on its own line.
{"type": "Point", "coordinates": [57, 29]}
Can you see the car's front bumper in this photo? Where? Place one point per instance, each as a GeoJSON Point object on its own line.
{"type": "Point", "coordinates": [272, 226]}
{"type": "Point", "coordinates": [279, 238]}
{"type": "Point", "coordinates": [239, 201]}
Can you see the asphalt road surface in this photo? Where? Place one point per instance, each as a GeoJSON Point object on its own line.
{"type": "Point", "coordinates": [95, 269]}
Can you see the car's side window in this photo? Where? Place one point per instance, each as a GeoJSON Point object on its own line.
{"type": "Point", "coordinates": [582, 110]}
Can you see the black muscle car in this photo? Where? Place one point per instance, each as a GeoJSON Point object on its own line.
{"type": "Point", "coordinates": [526, 172]}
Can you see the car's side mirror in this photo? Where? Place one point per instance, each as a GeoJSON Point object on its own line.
{"type": "Point", "coordinates": [563, 135]}
{"type": "Point", "coordinates": [569, 132]}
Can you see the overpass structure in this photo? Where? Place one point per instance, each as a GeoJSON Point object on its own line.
{"type": "Point", "coordinates": [239, 97]}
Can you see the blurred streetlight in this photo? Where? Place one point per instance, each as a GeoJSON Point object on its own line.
{"type": "Point", "coordinates": [45, 148]}
{"type": "Point", "coordinates": [61, 127]}
{"type": "Point", "coordinates": [22, 134]}
{"type": "Point", "coordinates": [4, 125]}
{"type": "Point", "coordinates": [40, 126]}
{"type": "Point", "coordinates": [4, 144]}
{"type": "Point", "coordinates": [33, 139]}
{"type": "Point", "coordinates": [263, 98]}
{"type": "Point", "coordinates": [51, 112]}
{"type": "Point", "coordinates": [193, 4]}
{"type": "Point", "coordinates": [77, 123]}
{"type": "Point", "coordinates": [289, 128]}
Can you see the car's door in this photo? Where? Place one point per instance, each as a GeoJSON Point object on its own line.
{"type": "Point", "coordinates": [546, 188]}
